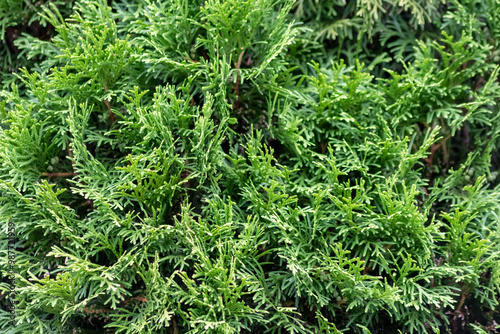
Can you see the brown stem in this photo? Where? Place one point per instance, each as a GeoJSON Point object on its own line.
{"type": "Point", "coordinates": [176, 330]}
{"type": "Point", "coordinates": [428, 160]}
{"type": "Point", "coordinates": [204, 54]}
{"type": "Point", "coordinates": [323, 147]}
{"type": "Point", "coordinates": [342, 301]}
{"type": "Point", "coordinates": [366, 270]}
{"type": "Point", "coordinates": [191, 60]}
{"type": "Point", "coordinates": [108, 107]}
{"type": "Point", "coordinates": [59, 174]}
{"type": "Point", "coordinates": [238, 80]}
{"type": "Point", "coordinates": [95, 310]}
{"type": "Point", "coordinates": [139, 298]}
{"type": "Point", "coordinates": [479, 84]}
{"type": "Point", "coordinates": [434, 148]}
{"type": "Point", "coordinates": [462, 300]}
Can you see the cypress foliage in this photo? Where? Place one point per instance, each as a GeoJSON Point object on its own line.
{"type": "Point", "coordinates": [250, 166]}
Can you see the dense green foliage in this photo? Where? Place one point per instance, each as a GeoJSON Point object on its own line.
{"type": "Point", "coordinates": [251, 166]}
{"type": "Point", "coordinates": [18, 18]}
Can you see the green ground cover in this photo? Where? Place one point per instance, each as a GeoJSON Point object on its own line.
{"type": "Point", "coordinates": [249, 166]}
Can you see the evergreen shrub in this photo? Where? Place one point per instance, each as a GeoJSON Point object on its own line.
{"type": "Point", "coordinates": [250, 166]}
